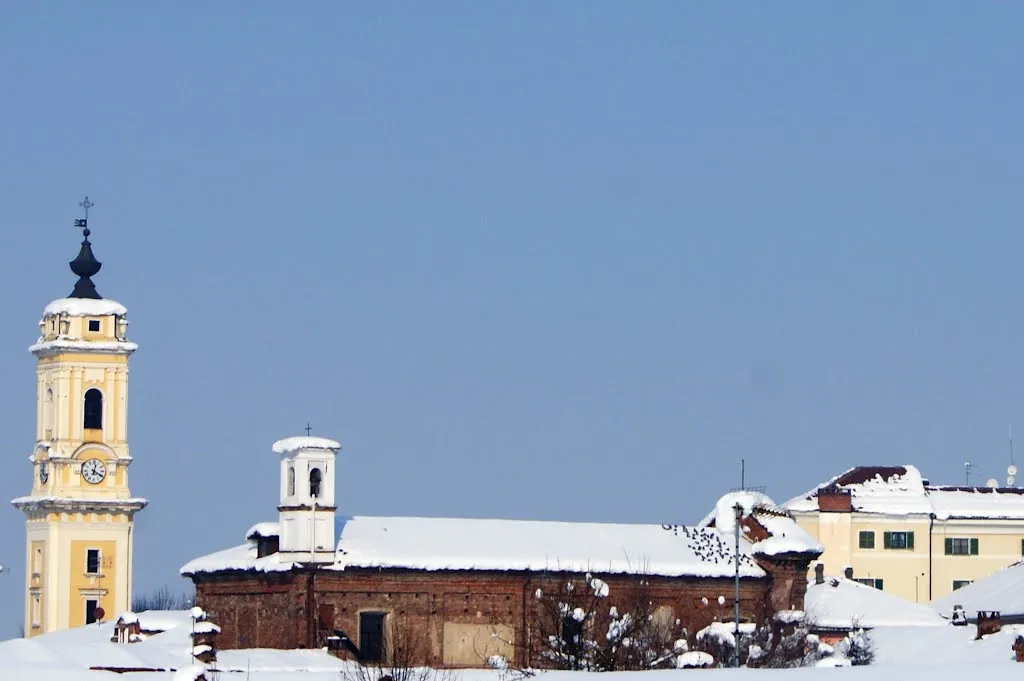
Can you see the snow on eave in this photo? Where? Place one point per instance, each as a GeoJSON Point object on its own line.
{"type": "Point", "coordinates": [240, 558]}
{"type": "Point", "coordinates": [290, 445]}
{"type": "Point", "coordinates": [30, 502]}
{"type": "Point", "coordinates": [84, 307]}
{"type": "Point", "coordinates": [70, 345]}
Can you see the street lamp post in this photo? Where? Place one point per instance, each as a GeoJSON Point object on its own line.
{"type": "Point", "coordinates": [736, 615]}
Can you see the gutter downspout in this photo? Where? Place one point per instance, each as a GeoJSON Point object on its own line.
{"type": "Point", "coordinates": [310, 633]}
{"type": "Point", "coordinates": [931, 525]}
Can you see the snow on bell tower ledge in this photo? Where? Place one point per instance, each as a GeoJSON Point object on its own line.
{"type": "Point", "coordinates": [306, 510]}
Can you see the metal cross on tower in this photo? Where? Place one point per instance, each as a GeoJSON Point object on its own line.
{"type": "Point", "coordinates": [309, 428]}
{"type": "Point", "coordinates": [83, 223]}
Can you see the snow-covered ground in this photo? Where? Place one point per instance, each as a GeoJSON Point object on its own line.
{"type": "Point", "coordinates": [935, 652]}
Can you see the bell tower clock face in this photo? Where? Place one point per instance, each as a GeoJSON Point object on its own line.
{"type": "Point", "coordinates": [94, 471]}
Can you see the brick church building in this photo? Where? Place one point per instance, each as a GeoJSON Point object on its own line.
{"type": "Point", "coordinates": [469, 588]}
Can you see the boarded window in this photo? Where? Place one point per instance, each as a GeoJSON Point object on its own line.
{"type": "Point", "coordinates": [472, 645]}
{"type": "Point", "coordinates": [371, 636]}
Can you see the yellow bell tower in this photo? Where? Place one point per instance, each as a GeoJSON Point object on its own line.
{"type": "Point", "coordinates": [80, 513]}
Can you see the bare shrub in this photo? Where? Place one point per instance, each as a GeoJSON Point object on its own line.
{"type": "Point", "coordinates": [405, 650]}
{"type": "Point", "coordinates": [163, 599]}
{"type": "Point", "coordinates": [577, 623]}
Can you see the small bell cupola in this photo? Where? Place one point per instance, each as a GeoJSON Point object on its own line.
{"type": "Point", "coordinates": [307, 506]}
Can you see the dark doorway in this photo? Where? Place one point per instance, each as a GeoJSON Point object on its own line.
{"type": "Point", "coordinates": [371, 636]}
{"type": "Point", "coordinates": [90, 611]}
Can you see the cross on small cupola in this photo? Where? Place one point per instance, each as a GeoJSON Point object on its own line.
{"type": "Point", "coordinates": [85, 265]}
{"type": "Point", "coordinates": [309, 429]}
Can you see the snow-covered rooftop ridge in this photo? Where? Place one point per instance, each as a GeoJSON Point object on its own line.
{"type": "Point", "coordinates": [1002, 590]}
{"type": "Point", "coordinates": [901, 490]}
{"type": "Point", "coordinates": [785, 535]}
{"type": "Point", "coordinates": [84, 307]}
{"type": "Point", "coordinates": [845, 604]}
{"type": "Point", "coordinates": [484, 544]}
{"type": "Point", "coordinates": [290, 445]}
{"type": "Point", "coordinates": [510, 545]}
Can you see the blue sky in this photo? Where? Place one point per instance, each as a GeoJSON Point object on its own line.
{"type": "Point", "coordinates": [528, 260]}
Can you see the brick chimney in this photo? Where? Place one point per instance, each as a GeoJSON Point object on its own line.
{"type": "Point", "coordinates": [834, 500]}
{"type": "Point", "coordinates": [819, 573]}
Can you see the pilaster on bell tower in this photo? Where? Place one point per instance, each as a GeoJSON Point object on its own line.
{"type": "Point", "coordinates": [80, 510]}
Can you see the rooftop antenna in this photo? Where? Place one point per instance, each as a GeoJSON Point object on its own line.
{"type": "Point", "coordinates": [967, 473]}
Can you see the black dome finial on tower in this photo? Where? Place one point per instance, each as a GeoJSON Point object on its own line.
{"type": "Point", "coordinates": [85, 265]}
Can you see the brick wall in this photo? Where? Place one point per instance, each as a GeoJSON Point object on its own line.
{"type": "Point", "coordinates": [445, 613]}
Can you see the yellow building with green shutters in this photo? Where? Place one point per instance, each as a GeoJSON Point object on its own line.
{"type": "Point", "coordinates": [906, 536]}
{"type": "Point", "coordinates": [79, 512]}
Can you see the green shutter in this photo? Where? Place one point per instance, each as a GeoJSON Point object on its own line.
{"type": "Point", "coordinates": [974, 546]}
{"type": "Point", "coordinates": [910, 540]}
{"type": "Point", "coordinates": [878, 584]}
{"type": "Point", "coordinates": [887, 540]}
{"type": "Point", "coordinates": [949, 546]}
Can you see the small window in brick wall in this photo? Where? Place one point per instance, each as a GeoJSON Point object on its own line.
{"type": "Point", "coordinates": [371, 636]}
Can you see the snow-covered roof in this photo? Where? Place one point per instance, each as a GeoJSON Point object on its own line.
{"type": "Point", "coordinates": [901, 490]}
{"type": "Point", "coordinates": [977, 502]}
{"type": "Point", "coordinates": [1002, 591]}
{"type": "Point", "coordinates": [290, 445]}
{"type": "Point", "coordinates": [71, 652]}
{"type": "Point", "coordinates": [84, 307]}
{"type": "Point", "coordinates": [483, 544]}
{"type": "Point", "coordinates": [785, 536]}
{"type": "Point", "coordinates": [845, 604]}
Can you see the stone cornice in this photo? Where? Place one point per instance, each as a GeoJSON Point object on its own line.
{"type": "Point", "coordinates": [69, 505]}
